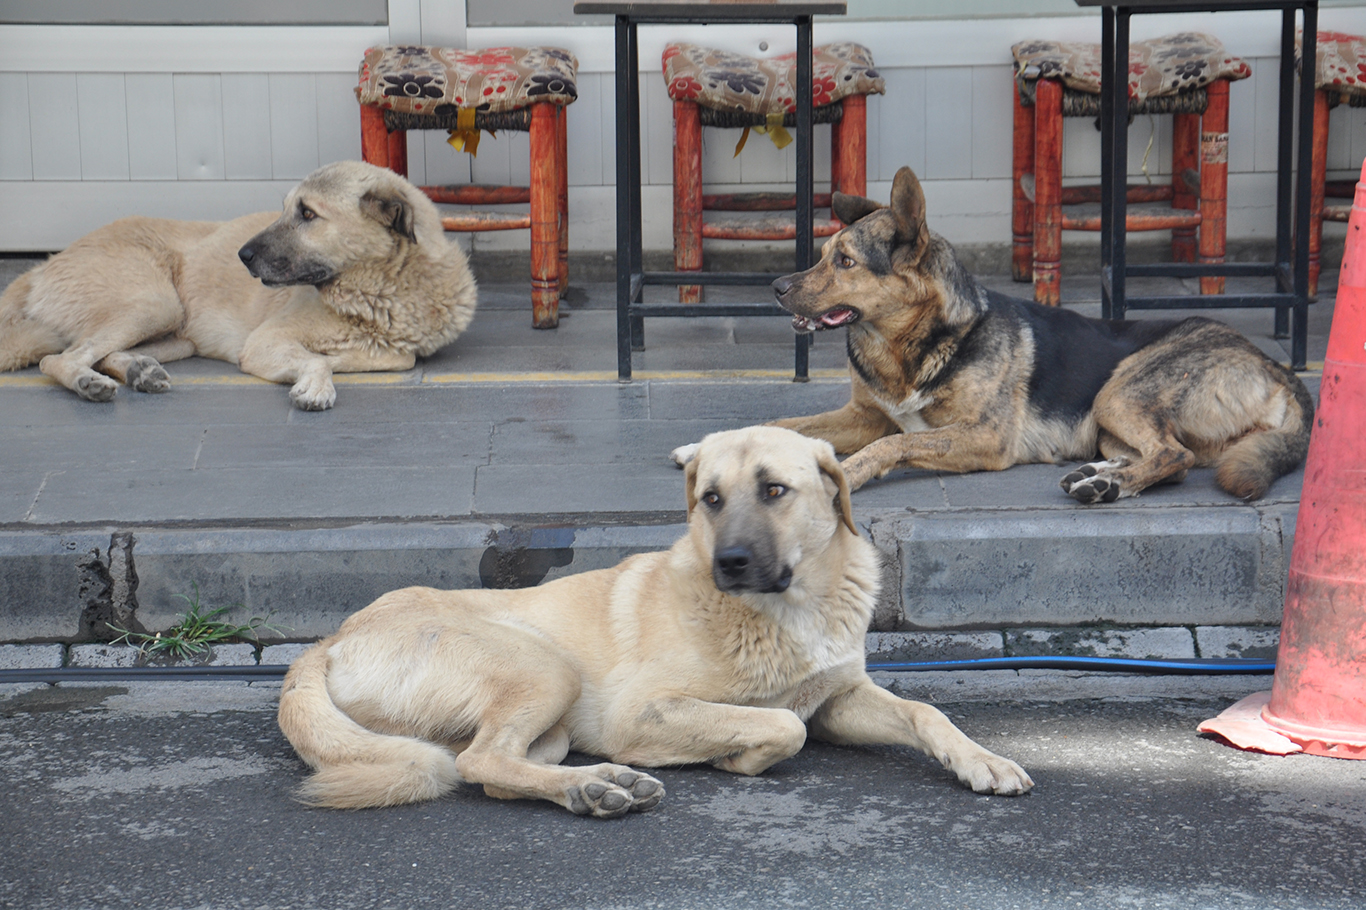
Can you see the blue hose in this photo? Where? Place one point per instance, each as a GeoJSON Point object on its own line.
{"type": "Point", "coordinates": [1185, 666]}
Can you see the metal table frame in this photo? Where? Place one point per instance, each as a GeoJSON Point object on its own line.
{"type": "Point", "coordinates": [631, 275]}
{"type": "Point", "coordinates": [1291, 265]}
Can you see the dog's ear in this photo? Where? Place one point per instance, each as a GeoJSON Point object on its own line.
{"type": "Point", "coordinates": [830, 467]}
{"type": "Point", "coordinates": [908, 205]}
{"type": "Point", "coordinates": [690, 483]}
{"type": "Point", "coordinates": [849, 209]}
{"type": "Point", "coordinates": [391, 210]}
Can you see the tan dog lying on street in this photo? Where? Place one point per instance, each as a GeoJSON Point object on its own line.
{"type": "Point", "coordinates": [356, 275]}
{"type": "Point", "coordinates": [729, 649]}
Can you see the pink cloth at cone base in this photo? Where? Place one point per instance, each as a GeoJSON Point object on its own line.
{"type": "Point", "coordinates": [1242, 725]}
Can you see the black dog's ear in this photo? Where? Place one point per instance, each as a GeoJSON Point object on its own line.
{"type": "Point", "coordinates": [849, 209]}
{"type": "Point", "coordinates": [908, 205]}
{"type": "Point", "coordinates": [392, 211]}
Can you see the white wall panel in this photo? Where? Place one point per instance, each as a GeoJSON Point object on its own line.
{"type": "Point", "coordinates": [1242, 119]}
{"type": "Point", "coordinates": [247, 126]}
{"type": "Point", "coordinates": [101, 99]}
{"type": "Point", "coordinates": [150, 104]}
{"type": "Point", "coordinates": [445, 166]}
{"type": "Point", "coordinates": [1266, 84]}
{"type": "Point", "coordinates": [948, 123]}
{"type": "Point", "coordinates": [338, 118]}
{"type": "Point", "coordinates": [493, 164]}
{"type": "Point", "coordinates": [54, 124]}
{"type": "Point", "coordinates": [293, 125]}
{"type": "Point", "coordinates": [656, 126]}
{"type": "Point", "coordinates": [16, 143]}
{"type": "Point", "coordinates": [993, 108]}
{"type": "Point", "coordinates": [199, 126]}
{"type": "Point", "coordinates": [901, 138]}
{"type": "Point", "coordinates": [584, 126]}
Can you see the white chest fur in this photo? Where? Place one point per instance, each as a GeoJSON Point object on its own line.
{"type": "Point", "coordinates": [906, 412]}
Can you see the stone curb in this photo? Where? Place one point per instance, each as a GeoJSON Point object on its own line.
{"type": "Point", "coordinates": [946, 571]}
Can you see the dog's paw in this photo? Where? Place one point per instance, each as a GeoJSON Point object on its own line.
{"type": "Point", "coordinates": [619, 790]}
{"type": "Point", "coordinates": [990, 773]}
{"type": "Point", "coordinates": [93, 386]}
{"type": "Point", "coordinates": [312, 393]}
{"type": "Point", "coordinates": [146, 375]}
{"type": "Point", "coordinates": [1093, 483]}
{"type": "Point", "coordinates": [684, 454]}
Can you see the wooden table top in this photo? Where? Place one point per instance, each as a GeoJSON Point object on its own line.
{"type": "Point", "coordinates": [717, 10]}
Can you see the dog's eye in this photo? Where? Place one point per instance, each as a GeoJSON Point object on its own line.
{"type": "Point", "coordinates": [306, 213]}
{"type": "Point", "coordinates": [774, 490]}
{"type": "Point", "coordinates": [845, 262]}
{"type": "Point", "coordinates": [712, 499]}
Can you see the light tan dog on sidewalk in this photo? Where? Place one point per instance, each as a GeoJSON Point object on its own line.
{"type": "Point", "coordinates": [356, 275]}
{"type": "Point", "coordinates": [728, 649]}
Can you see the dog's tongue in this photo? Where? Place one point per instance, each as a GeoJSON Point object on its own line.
{"type": "Point", "coordinates": [837, 317]}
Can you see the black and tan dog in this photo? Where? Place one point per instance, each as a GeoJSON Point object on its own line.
{"type": "Point", "coordinates": [949, 376]}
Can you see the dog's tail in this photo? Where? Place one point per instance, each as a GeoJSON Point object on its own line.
{"type": "Point", "coordinates": [23, 342]}
{"type": "Point", "coordinates": [1249, 466]}
{"type": "Point", "coordinates": [356, 768]}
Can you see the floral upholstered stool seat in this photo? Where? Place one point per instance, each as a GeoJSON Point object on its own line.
{"type": "Point", "coordinates": [1339, 78]}
{"type": "Point", "coordinates": [722, 89]}
{"type": "Point", "coordinates": [1186, 75]}
{"type": "Point", "coordinates": [463, 92]}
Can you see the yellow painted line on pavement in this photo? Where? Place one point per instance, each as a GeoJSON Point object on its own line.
{"type": "Point", "coordinates": [547, 377]}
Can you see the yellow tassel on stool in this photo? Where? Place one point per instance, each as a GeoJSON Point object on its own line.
{"type": "Point", "coordinates": [773, 128]}
{"type": "Point", "coordinates": [465, 136]}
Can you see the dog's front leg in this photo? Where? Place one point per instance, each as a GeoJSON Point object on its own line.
{"type": "Point", "coordinates": [869, 715]}
{"type": "Point", "coordinates": [848, 429]}
{"type": "Point", "coordinates": [686, 731]}
{"type": "Point", "coordinates": [953, 448]}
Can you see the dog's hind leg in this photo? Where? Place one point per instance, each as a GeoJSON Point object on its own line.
{"type": "Point", "coordinates": [23, 340]}
{"type": "Point", "coordinates": [1140, 450]}
{"type": "Point", "coordinates": [140, 369]}
{"type": "Point", "coordinates": [519, 735]}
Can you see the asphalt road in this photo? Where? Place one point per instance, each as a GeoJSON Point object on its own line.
{"type": "Point", "coordinates": [168, 795]}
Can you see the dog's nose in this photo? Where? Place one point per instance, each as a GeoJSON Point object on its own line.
{"type": "Point", "coordinates": [734, 561]}
{"type": "Point", "coordinates": [246, 254]}
{"type": "Point", "coordinates": [781, 286]}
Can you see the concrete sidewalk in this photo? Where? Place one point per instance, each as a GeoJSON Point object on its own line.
{"type": "Point", "coordinates": [514, 455]}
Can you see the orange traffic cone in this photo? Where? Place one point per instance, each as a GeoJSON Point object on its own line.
{"type": "Point", "coordinates": [1317, 702]}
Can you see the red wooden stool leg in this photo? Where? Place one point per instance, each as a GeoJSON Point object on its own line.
{"type": "Point", "coordinates": [1048, 191]}
{"type": "Point", "coordinates": [1318, 173]}
{"type": "Point", "coordinates": [849, 148]}
{"type": "Point", "coordinates": [545, 228]}
{"type": "Point", "coordinates": [1214, 183]}
{"type": "Point", "coordinates": [562, 200]}
{"type": "Point", "coordinates": [688, 196]}
{"type": "Point", "coordinates": [374, 136]}
{"type": "Point", "coordinates": [1021, 208]}
{"type": "Point", "coordinates": [1185, 168]}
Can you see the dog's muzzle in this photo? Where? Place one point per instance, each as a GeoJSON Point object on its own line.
{"type": "Point", "coordinates": [736, 568]}
{"type": "Point", "coordinates": [833, 318]}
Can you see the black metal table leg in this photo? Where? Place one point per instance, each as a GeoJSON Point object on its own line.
{"type": "Point", "coordinates": [1299, 343]}
{"type": "Point", "coordinates": [624, 79]}
{"type": "Point", "coordinates": [1107, 166]}
{"type": "Point", "coordinates": [805, 202]}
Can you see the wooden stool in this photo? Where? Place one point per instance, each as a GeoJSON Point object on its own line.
{"type": "Point", "coordinates": [507, 88]}
{"type": "Point", "coordinates": [1186, 75]}
{"type": "Point", "coordinates": [1339, 77]}
{"type": "Point", "coordinates": [717, 88]}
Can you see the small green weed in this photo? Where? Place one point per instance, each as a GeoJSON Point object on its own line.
{"type": "Point", "coordinates": [198, 628]}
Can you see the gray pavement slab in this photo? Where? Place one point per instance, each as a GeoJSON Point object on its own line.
{"type": "Point", "coordinates": [160, 795]}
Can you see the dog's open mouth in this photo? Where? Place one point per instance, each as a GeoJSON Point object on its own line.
{"type": "Point", "coordinates": [830, 319]}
